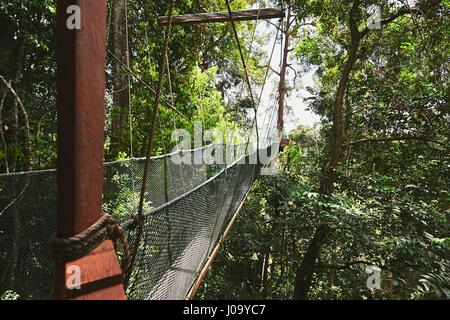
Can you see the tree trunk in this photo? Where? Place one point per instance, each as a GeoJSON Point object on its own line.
{"type": "Point", "coordinates": [306, 270]}
{"type": "Point", "coordinates": [282, 85]}
{"type": "Point", "coordinates": [3, 95]}
{"type": "Point", "coordinates": [119, 113]}
{"type": "Point", "coordinates": [337, 134]}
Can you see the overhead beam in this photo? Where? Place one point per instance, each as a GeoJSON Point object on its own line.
{"type": "Point", "coordinates": [243, 15]}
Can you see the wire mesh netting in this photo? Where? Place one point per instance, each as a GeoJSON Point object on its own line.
{"type": "Point", "coordinates": [187, 207]}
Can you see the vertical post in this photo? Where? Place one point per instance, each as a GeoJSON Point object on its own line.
{"type": "Point", "coordinates": [81, 49]}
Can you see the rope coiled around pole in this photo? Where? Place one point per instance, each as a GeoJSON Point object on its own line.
{"type": "Point", "coordinates": [68, 249]}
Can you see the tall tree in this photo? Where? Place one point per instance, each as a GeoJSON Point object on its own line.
{"type": "Point", "coordinates": [352, 14]}
{"type": "Point", "coordinates": [120, 78]}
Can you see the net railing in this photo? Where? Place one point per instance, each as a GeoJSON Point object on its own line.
{"type": "Point", "coordinates": [187, 207]}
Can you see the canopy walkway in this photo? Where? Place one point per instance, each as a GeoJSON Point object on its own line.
{"type": "Point", "coordinates": [187, 208]}
{"type": "Point", "coordinates": [173, 215]}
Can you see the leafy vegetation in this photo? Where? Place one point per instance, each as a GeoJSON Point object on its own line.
{"type": "Point", "coordinates": [369, 185]}
{"type": "Point", "coordinates": [374, 188]}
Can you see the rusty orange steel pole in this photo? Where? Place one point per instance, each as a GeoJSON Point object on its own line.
{"type": "Point", "coordinates": [80, 55]}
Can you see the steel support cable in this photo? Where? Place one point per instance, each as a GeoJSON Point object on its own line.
{"type": "Point", "coordinates": [263, 86]}
{"type": "Point", "coordinates": [222, 237]}
{"type": "Point", "coordinates": [249, 88]}
{"type": "Point", "coordinates": [268, 69]}
{"type": "Point", "coordinates": [148, 86]}
{"type": "Point", "coordinates": [266, 76]}
{"type": "Point", "coordinates": [251, 47]}
{"type": "Point", "coordinates": [251, 96]}
{"type": "Point", "coordinates": [169, 78]}
{"type": "Point", "coordinates": [226, 165]}
{"type": "Point", "coordinates": [195, 286]}
{"type": "Point", "coordinates": [268, 66]}
{"type": "Point", "coordinates": [150, 140]}
{"type": "Point", "coordinates": [244, 64]}
{"type": "Point", "coordinates": [255, 123]}
{"type": "Point", "coordinates": [220, 207]}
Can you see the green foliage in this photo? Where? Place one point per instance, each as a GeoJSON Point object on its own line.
{"type": "Point", "coordinates": [204, 64]}
{"type": "Point", "coordinates": [378, 219]}
{"type": "Point", "coordinates": [436, 284]}
{"type": "Point", "coordinates": [203, 61]}
{"type": "Point", "coordinates": [9, 295]}
{"type": "Point", "coordinates": [391, 204]}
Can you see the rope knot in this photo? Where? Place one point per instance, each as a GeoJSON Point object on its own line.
{"type": "Point", "coordinates": [72, 248]}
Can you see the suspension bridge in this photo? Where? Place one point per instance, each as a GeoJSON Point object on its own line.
{"type": "Point", "coordinates": [142, 228]}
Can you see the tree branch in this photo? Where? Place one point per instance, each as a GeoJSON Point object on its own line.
{"type": "Point", "coordinates": [354, 19]}
{"type": "Point", "coordinates": [399, 13]}
{"type": "Point", "coordinates": [27, 123]}
{"type": "Point", "coordinates": [273, 70]}
{"type": "Point", "coordinates": [3, 95]}
{"type": "Point", "coordinates": [397, 138]}
{"type": "Point", "coordinates": [342, 266]}
{"type": "Point", "coordinates": [352, 263]}
{"type": "Point", "coordinates": [295, 72]}
{"type": "Point", "coordinates": [275, 25]}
